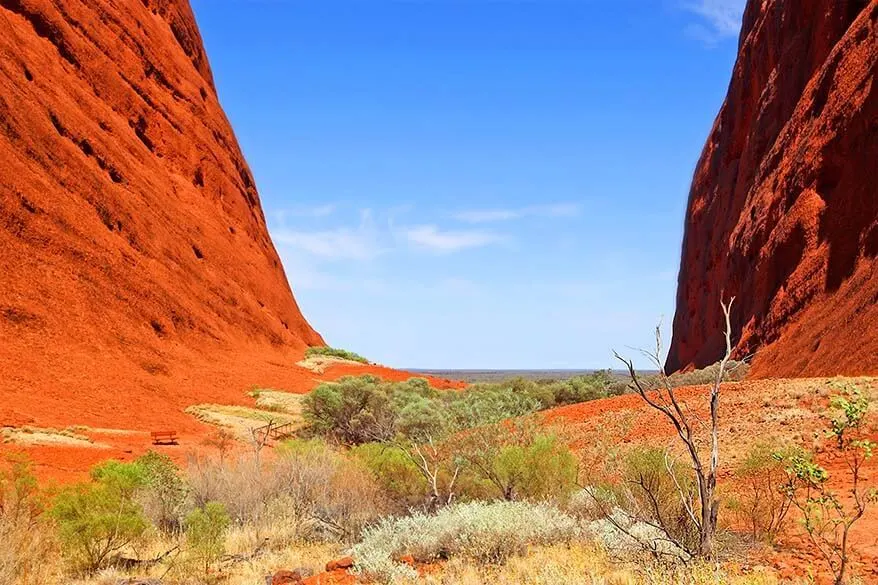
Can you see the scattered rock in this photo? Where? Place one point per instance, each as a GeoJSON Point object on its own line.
{"type": "Point", "coordinates": [284, 577]}
{"type": "Point", "coordinates": [342, 563]}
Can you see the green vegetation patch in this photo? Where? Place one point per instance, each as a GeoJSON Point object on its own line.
{"type": "Point", "coordinates": [334, 352]}
{"type": "Point", "coordinates": [356, 410]}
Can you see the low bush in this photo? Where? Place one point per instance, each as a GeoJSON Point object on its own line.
{"type": "Point", "coordinates": [164, 493]}
{"type": "Point", "coordinates": [395, 472]}
{"type": "Point", "coordinates": [99, 519]}
{"type": "Point", "coordinates": [206, 534]}
{"type": "Point", "coordinates": [826, 514]}
{"type": "Point", "coordinates": [356, 410]}
{"type": "Point", "coordinates": [651, 503]}
{"type": "Point", "coordinates": [353, 410]}
{"type": "Point", "coordinates": [320, 493]}
{"type": "Point", "coordinates": [336, 353]}
{"type": "Point", "coordinates": [26, 537]}
{"type": "Point", "coordinates": [519, 462]}
{"type": "Point", "coordinates": [758, 501]}
{"type": "Point", "coordinates": [485, 532]}
{"type": "Point", "coordinates": [485, 404]}
{"type": "Point", "coordinates": [334, 494]}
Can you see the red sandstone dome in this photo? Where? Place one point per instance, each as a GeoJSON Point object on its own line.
{"type": "Point", "coordinates": [783, 211]}
{"type": "Point", "coordinates": [135, 265]}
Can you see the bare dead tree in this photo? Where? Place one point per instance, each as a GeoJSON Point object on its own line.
{"type": "Point", "coordinates": [665, 401]}
{"type": "Point", "coordinates": [260, 437]}
{"type": "Point", "coordinates": [429, 460]}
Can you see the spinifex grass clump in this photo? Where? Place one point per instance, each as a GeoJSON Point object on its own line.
{"type": "Point", "coordinates": [484, 532]}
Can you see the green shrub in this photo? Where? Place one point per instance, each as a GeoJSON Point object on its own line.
{"type": "Point", "coordinates": [485, 404]}
{"type": "Point", "coordinates": [826, 515]}
{"type": "Point", "coordinates": [758, 500]}
{"type": "Point", "coordinates": [164, 492]}
{"type": "Point", "coordinates": [336, 353]}
{"type": "Point", "coordinates": [656, 490]}
{"type": "Point", "coordinates": [98, 519]}
{"type": "Point", "coordinates": [206, 534]}
{"type": "Point", "coordinates": [484, 532]}
{"type": "Point", "coordinates": [395, 472]}
{"type": "Point", "coordinates": [353, 410]}
{"type": "Point", "coordinates": [364, 409]}
{"type": "Point", "coordinates": [519, 462]}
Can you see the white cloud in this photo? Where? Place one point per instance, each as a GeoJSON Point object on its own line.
{"type": "Point", "coordinates": [487, 215]}
{"type": "Point", "coordinates": [359, 243]}
{"type": "Point", "coordinates": [437, 240]}
{"type": "Point", "coordinates": [324, 210]}
{"type": "Point", "coordinates": [718, 19]}
{"type": "Point", "coordinates": [497, 215]}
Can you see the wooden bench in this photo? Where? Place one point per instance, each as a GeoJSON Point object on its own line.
{"type": "Point", "coordinates": [164, 437]}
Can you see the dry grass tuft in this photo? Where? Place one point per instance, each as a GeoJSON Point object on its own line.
{"type": "Point", "coordinates": [46, 436]}
{"type": "Point", "coordinates": [240, 419]}
{"type": "Point", "coordinates": [319, 363]}
{"type": "Point", "coordinates": [277, 401]}
{"type": "Point", "coordinates": [579, 564]}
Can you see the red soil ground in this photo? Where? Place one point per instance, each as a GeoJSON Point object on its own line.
{"type": "Point", "coordinates": [768, 411]}
{"type": "Point", "coordinates": [783, 209]}
{"type": "Point", "coordinates": [104, 414]}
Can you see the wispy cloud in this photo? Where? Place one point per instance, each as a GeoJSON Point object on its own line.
{"type": "Point", "coordinates": [718, 19]}
{"type": "Point", "coordinates": [444, 241]}
{"type": "Point", "coordinates": [362, 242]}
{"type": "Point", "coordinates": [497, 215]}
{"type": "Point", "coordinates": [323, 210]}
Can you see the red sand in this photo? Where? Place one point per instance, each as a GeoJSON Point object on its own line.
{"type": "Point", "coordinates": [783, 210]}
{"type": "Point", "coordinates": [750, 412]}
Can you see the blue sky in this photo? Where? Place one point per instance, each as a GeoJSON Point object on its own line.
{"type": "Point", "coordinates": [475, 183]}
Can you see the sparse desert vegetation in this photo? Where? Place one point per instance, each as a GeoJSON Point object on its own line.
{"type": "Point", "coordinates": [455, 487]}
{"type": "Point", "coordinates": [333, 352]}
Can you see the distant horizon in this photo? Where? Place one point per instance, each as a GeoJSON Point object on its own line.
{"type": "Point", "coordinates": [485, 375]}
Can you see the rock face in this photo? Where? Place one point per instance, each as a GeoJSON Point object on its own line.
{"type": "Point", "coordinates": [783, 210]}
{"type": "Point", "coordinates": [134, 255]}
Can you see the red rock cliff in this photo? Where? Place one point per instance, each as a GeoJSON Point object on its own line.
{"type": "Point", "coordinates": [783, 211]}
{"type": "Point", "coordinates": [135, 264]}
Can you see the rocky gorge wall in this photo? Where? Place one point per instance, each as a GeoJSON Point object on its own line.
{"type": "Point", "coordinates": [783, 208]}
{"type": "Point", "coordinates": [135, 265]}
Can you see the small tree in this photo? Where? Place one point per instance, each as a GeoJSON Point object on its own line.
{"type": "Point", "coordinates": [826, 516]}
{"type": "Point", "coordinates": [395, 472]}
{"type": "Point", "coordinates": [206, 534]}
{"type": "Point", "coordinates": [164, 492]}
{"type": "Point", "coordinates": [518, 461]}
{"type": "Point", "coordinates": [222, 440]}
{"type": "Point", "coordinates": [96, 520]}
{"type": "Point", "coordinates": [665, 401]}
